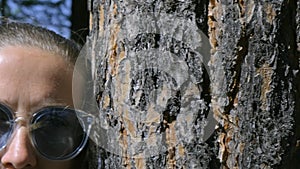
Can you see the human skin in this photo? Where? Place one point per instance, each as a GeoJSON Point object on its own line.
{"type": "Point", "coordinates": [31, 79]}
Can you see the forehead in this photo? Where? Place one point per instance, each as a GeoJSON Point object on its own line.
{"type": "Point", "coordinates": [30, 75]}
{"type": "Point", "coordinates": [28, 54]}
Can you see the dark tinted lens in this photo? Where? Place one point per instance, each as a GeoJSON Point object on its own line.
{"type": "Point", "coordinates": [5, 125]}
{"type": "Point", "coordinates": [58, 134]}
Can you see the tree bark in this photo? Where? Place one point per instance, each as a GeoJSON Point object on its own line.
{"type": "Point", "coordinates": [155, 91]}
{"type": "Point", "coordinates": [255, 82]}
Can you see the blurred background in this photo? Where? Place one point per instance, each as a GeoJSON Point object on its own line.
{"type": "Point", "coordinates": [68, 18]}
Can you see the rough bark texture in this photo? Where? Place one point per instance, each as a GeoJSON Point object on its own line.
{"type": "Point", "coordinates": [255, 81]}
{"type": "Point", "coordinates": [153, 90]}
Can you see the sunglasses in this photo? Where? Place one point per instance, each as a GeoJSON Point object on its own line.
{"type": "Point", "coordinates": [57, 133]}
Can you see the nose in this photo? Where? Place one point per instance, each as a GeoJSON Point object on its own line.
{"type": "Point", "coordinates": [19, 153]}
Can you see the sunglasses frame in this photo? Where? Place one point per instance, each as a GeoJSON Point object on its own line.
{"type": "Point", "coordinates": [86, 121]}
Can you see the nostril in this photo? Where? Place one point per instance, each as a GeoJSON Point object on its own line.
{"type": "Point", "coordinates": [8, 165]}
{"type": "Point", "coordinates": [11, 166]}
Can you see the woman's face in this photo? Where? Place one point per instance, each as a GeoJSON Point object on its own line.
{"type": "Point", "coordinates": [31, 79]}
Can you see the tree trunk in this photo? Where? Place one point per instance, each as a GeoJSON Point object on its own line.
{"type": "Point", "coordinates": [155, 92]}
{"type": "Point", "coordinates": [255, 82]}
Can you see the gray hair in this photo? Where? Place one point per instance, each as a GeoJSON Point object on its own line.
{"type": "Point", "coordinates": [23, 34]}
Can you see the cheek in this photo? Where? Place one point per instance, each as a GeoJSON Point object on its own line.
{"type": "Point", "coordinates": [46, 164]}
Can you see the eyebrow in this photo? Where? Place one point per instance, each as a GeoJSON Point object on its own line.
{"type": "Point", "coordinates": [50, 102]}
{"type": "Point", "coordinates": [46, 102]}
{"type": "Point", "coordinates": [7, 103]}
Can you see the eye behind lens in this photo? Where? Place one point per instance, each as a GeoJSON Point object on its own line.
{"type": "Point", "coordinates": [60, 136]}
{"type": "Point", "coordinates": [6, 125]}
